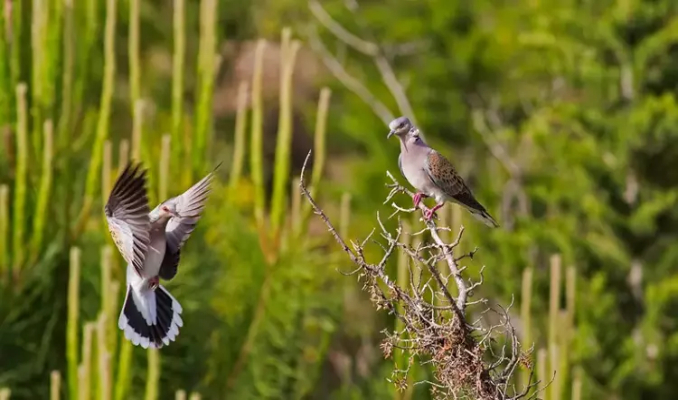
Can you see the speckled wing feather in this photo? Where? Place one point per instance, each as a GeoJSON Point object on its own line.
{"type": "Point", "coordinates": [189, 205]}
{"type": "Point", "coordinates": [443, 175]}
{"type": "Point", "coordinates": [127, 215]}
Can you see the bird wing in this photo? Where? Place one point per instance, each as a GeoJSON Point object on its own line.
{"type": "Point", "coordinates": [189, 205]}
{"type": "Point", "coordinates": [127, 215]}
{"type": "Point", "coordinates": [442, 173]}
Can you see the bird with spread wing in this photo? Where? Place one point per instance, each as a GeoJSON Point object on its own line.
{"type": "Point", "coordinates": [150, 241]}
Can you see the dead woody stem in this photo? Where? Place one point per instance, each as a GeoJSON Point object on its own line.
{"type": "Point", "coordinates": [436, 329]}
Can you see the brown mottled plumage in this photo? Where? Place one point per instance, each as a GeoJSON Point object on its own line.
{"type": "Point", "coordinates": [432, 174]}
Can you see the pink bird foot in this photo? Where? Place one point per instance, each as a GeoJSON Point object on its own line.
{"type": "Point", "coordinates": [417, 199]}
{"type": "Point", "coordinates": [428, 214]}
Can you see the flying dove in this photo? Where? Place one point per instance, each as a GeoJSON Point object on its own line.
{"type": "Point", "coordinates": [431, 174]}
{"type": "Point", "coordinates": [150, 243]}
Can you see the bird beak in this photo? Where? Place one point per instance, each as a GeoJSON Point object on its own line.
{"type": "Point", "coordinates": [391, 133]}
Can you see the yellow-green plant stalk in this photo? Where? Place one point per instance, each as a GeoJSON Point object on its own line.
{"type": "Point", "coordinates": [345, 214]}
{"type": "Point", "coordinates": [554, 311]}
{"type": "Point", "coordinates": [5, 394]}
{"type": "Point", "coordinates": [72, 321]}
{"type": "Point", "coordinates": [319, 146]}
{"type": "Point", "coordinates": [239, 139]}
{"type": "Point", "coordinates": [64, 132]}
{"type": "Point", "coordinates": [104, 113]}
{"type": "Point", "coordinates": [5, 77]}
{"type": "Point", "coordinates": [4, 230]}
{"type": "Point", "coordinates": [542, 375]}
{"type": "Point", "coordinates": [180, 395]}
{"type": "Point", "coordinates": [17, 41]}
{"type": "Point", "coordinates": [178, 58]}
{"type": "Point", "coordinates": [206, 74]}
{"type": "Point", "coordinates": [104, 359]}
{"type": "Point", "coordinates": [194, 396]}
{"type": "Point", "coordinates": [55, 385]}
{"type": "Point", "coordinates": [137, 129]}
{"type": "Point", "coordinates": [85, 367]}
{"type": "Point", "coordinates": [105, 285]}
{"type": "Point", "coordinates": [133, 50]}
{"type": "Point", "coordinates": [164, 166]}
{"type": "Point", "coordinates": [114, 289]}
{"type": "Point", "coordinates": [256, 143]}
{"type": "Point", "coordinates": [44, 192]}
{"type": "Point", "coordinates": [153, 374]}
{"type": "Point", "coordinates": [52, 39]}
{"type": "Point", "coordinates": [106, 171]}
{"type": "Point", "coordinates": [123, 154]}
{"type": "Point", "coordinates": [38, 26]}
{"type": "Point", "coordinates": [281, 170]}
{"type": "Point", "coordinates": [526, 317]}
{"type": "Point", "coordinates": [576, 385]}
{"type": "Point", "coordinates": [295, 214]}
{"type": "Point", "coordinates": [19, 206]}
{"type": "Point", "coordinates": [566, 327]}
{"type": "Point", "coordinates": [124, 366]}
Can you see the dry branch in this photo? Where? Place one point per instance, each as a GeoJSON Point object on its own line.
{"type": "Point", "coordinates": [466, 360]}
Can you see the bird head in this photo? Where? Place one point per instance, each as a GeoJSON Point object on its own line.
{"type": "Point", "coordinates": [399, 127]}
{"type": "Point", "coordinates": [168, 210]}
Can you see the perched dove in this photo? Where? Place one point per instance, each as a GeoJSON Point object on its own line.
{"type": "Point", "coordinates": [432, 174]}
{"type": "Point", "coordinates": [150, 243]}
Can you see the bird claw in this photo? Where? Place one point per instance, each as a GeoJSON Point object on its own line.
{"type": "Point", "coordinates": [417, 199]}
{"type": "Point", "coordinates": [429, 214]}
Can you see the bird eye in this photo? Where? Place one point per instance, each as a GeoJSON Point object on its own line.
{"type": "Point", "coordinates": [402, 125]}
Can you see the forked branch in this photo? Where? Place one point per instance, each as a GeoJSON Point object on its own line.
{"type": "Point", "coordinates": [466, 361]}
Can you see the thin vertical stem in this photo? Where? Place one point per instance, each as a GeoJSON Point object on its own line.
{"type": "Point", "coordinates": [104, 359]}
{"type": "Point", "coordinates": [180, 395]}
{"type": "Point", "coordinates": [206, 69]}
{"type": "Point", "coordinates": [67, 74]}
{"type": "Point", "coordinates": [72, 321]}
{"type": "Point", "coordinates": [106, 171]}
{"type": "Point", "coordinates": [4, 230]}
{"type": "Point", "coordinates": [554, 307]}
{"type": "Point", "coordinates": [576, 385]}
{"type": "Point", "coordinates": [153, 374]}
{"type": "Point", "coordinates": [281, 171]}
{"type": "Point", "coordinates": [137, 129]}
{"type": "Point", "coordinates": [542, 367]}
{"type": "Point", "coordinates": [5, 393]}
{"type": "Point", "coordinates": [106, 270]}
{"type": "Point", "coordinates": [44, 191]}
{"type": "Point", "coordinates": [526, 317]}
{"type": "Point", "coordinates": [123, 154]}
{"type": "Point", "coordinates": [239, 140]}
{"type": "Point", "coordinates": [178, 58]}
{"type": "Point", "coordinates": [18, 208]}
{"type": "Point", "coordinates": [124, 368]}
{"type": "Point", "coordinates": [85, 375]}
{"type": "Point", "coordinates": [164, 167]}
{"type": "Point", "coordinates": [55, 385]}
{"type": "Point", "coordinates": [256, 149]}
{"type": "Point", "coordinates": [133, 49]}
{"type": "Point", "coordinates": [104, 113]}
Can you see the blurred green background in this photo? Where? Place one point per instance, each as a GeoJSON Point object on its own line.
{"type": "Point", "coordinates": [562, 115]}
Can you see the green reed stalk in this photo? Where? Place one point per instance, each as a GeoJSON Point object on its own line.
{"type": "Point", "coordinates": [55, 385]}
{"type": "Point", "coordinates": [195, 396]}
{"type": "Point", "coordinates": [38, 26]}
{"type": "Point", "coordinates": [239, 140]}
{"type": "Point", "coordinates": [165, 154]}
{"type": "Point", "coordinates": [123, 155]}
{"type": "Point", "coordinates": [69, 44]}
{"type": "Point", "coordinates": [178, 57]}
{"type": "Point", "coordinates": [104, 113]}
{"type": "Point", "coordinates": [152, 375]}
{"type": "Point", "coordinates": [256, 144]}
{"type": "Point", "coordinates": [133, 49]}
{"type": "Point", "coordinates": [137, 129]}
{"type": "Point", "coordinates": [104, 287]}
{"type": "Point", "coordinates": [124, 369]}
{"type": "Point", "coordinates": [4, 230]}
{"type": "Point", "coordinates": [542, 375]}
{"type": "Point", "coordinates": [106, 171]}
{"type": "Point", "coordinates": [281, 171]}
{"type": "Point", "coordinates": [5, 394]}
{"type": "Point", "coordinates": [180, 395]}
{"type": "Point", "coordinates": [526, 317]}
{"type": "Point", "coordinates": [114, 289]}
{"type": "Point", "coordinates": [104, 359]}
{"type": "Point", "coordinates": [401, 356]}
{"type": "Point", "coordinates": [554, 308]}
{"type": "Point", "coordinates": [19, 206]}
{"type": "Point", "coordinates": [45, 190]}
{"type": "Point", "coordinates": [52, 40]}
{"type": "Point", "coordinates": [5, 77]}
{"type": "Point", "coordinates": [566, 325]}
{"type": "Point", "coordinates": [72, 321]}
{"type": "Point", "coordinates": [206, 75]}
{"type": "Point", "coordinates": [576, 385]}
{"type": "Point", "coordinates": [319, 145]}
{"type": "Point", "coordinates": [17, 42]}
{"type": "Point", "coordinates": [85, 368]}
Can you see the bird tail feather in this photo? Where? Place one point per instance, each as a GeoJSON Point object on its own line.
{"type": "Point", "coordinates": [484, 217]}
{"type": "Point", "coordinates": [150, 318]}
